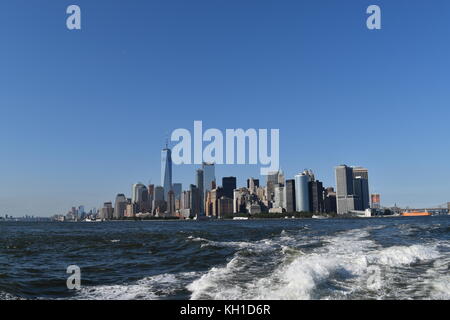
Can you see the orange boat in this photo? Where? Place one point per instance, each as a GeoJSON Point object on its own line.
{"type": "Point", "coordinates": [416, 214]}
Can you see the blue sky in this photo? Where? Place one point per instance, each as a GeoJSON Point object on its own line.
{"type": "Point", "coordinates": [84, 114]}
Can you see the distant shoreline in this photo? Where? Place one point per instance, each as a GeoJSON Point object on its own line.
{"type": "Point", "coordinates": [346, 217]}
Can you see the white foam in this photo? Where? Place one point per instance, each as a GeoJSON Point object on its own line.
{"type": "Point", "coordinates": [346, 260]}
{"type": "Point", "coordinates": [441, 288]}
{"type": "Point", "coordinates": [196, 239]}
{"type": "Point", "coordinates": [149, 288]}
{"type": "Point", "coordinates": [404, 255]}
{"type": "Point", "coordinates": [7, 296]}
{"type": "Point", "coordinates": [215, 283]}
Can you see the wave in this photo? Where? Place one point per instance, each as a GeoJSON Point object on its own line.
{"type": "Point", "coordinates": [404, 255]}
{"type": "Point", "coordinates": [149, 288]}
{"type": "Point", "coordinates": [7, 296]}
{"type": "Point", "coordinates": [348, 265]}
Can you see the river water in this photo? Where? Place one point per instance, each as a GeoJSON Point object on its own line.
{"type": "Point", "coordinates": [378, 258]}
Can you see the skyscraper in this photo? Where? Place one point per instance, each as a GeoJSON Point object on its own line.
{"type": "Point", "coordinates": [228, 185]}
{"type": "Point", "coordinates": [137, 193]}
{"type": "Point", "coordinates": [120, 206]}
{"type": "Point", "coordinates": [224, 207]}
{"type": "Point", "coordinates": [361, 187]}
{"type": "Point", "coordinates": [271, 180]}
{"type": "Point", "coordinates": [289, 196]}
{"type": "Point", "coordinates": [302, 192]}
{"type": "Point", "coordinates": [239, 199]}
{"type": "Point", "coordinates": [346, 199]}
{"type": "Point", "coordinates": [159, 205]}
{"type": "Point", "coordinates": [171, 202]}
{"type": "Point", "coordinates": [279, 194]}
{"type": "Point", "coordinates": [211, 203]}
{"type": "Point", "coordinates": [252, 184]}
{"type": "Point", "coordinates": [200, 190]}
{"type": "Point", "coordinates": [209, 176]}
{"type": "Point", "coordinates": [166, 170]}
{"type": "Point", "coordinates": [106, 212]}
{"type": "Point", "coordinates": [194, 201]}
{"type": "Point", "coordinates": [330, 200]}
{"type": "Point", "coordinates": [151, 192]}
{"type": "Point", "coordinates": [316, 196]}
{"type": "Point", "coordinates": [177, 189]}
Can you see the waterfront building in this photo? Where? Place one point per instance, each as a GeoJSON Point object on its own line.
{"type": "Point", "coordinates": [166, 170]}
{"type": "Point", "coordinates": [145, 204]}
{"type": "Point", "coordinates": [120, 205]}
{"type": "Point", "coordinates": [171, 202]}
{"type": "Point", "coordinates": [228, 185]}
{"type": "Point", "coordinates": [302, 192]}
{"type": "Point", "coordinates": [209, 176]}
{"type": "Point", "coordinates": [137, 192]}
{"type": "Point", "coordinates": [261, 194]}
{"type": "Point", "coordinates": [194, 201]}
{"type": "Point", "coordinates": [129, 212]}
{"type": "Point", "coordinates": [159, 204]}
{"type": "Point", "coordinates": [239, 200]}
{"type": "Point", "coordinates": [278, 201]}
{"type": "Point", "coordinates": [316, 190]}
{"type": "Point", "coordinates": [289, 196]}
{"type": "Point", "coordinates": [330, 200]}
{"type": "Point", "coordinates": [224, 207]}
{"type": "Point", "coordinates": [177, 189]}
{"type": "Point", "coordinates": [186, 200]}
{"type": "Point", "coordinates": [346, 198]}
{"type": "Point", "coordinates": [361, 187]}
{"type": "Point", "coordinates": [272, 179]}
{"type": "Point", "coordinates": [199, 183]}
{"type": "Point", "coordinates": [375, 200]}
{"type": "Point", "coordinates": [151, 192]}
{"type": "Point", "coordinates": [106, 212]}
{"type": "Point", "coordinates": [212, 198]}
{"type": "Point", "coordinates": [252, 184]}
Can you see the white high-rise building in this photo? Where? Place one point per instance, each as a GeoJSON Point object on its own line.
{"type": "Point", "coordinates": [279, 198]}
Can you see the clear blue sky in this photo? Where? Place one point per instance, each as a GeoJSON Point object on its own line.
{"type": "Point", "coordinates": [84, 113]}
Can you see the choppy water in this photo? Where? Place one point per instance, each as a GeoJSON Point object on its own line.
{"type": "Point", "coordinates": [390, 258]}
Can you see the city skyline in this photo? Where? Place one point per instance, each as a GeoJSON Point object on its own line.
{"type": "Point", "coordinates": [86, 110]}
{"type": "Point", "coordinates": [346, 183]}
{"type": "Point", "coordinates": [280, 195]}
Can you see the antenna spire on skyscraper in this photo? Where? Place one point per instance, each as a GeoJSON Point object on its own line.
{"type": "Point", "coordinates": [167, 141]}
